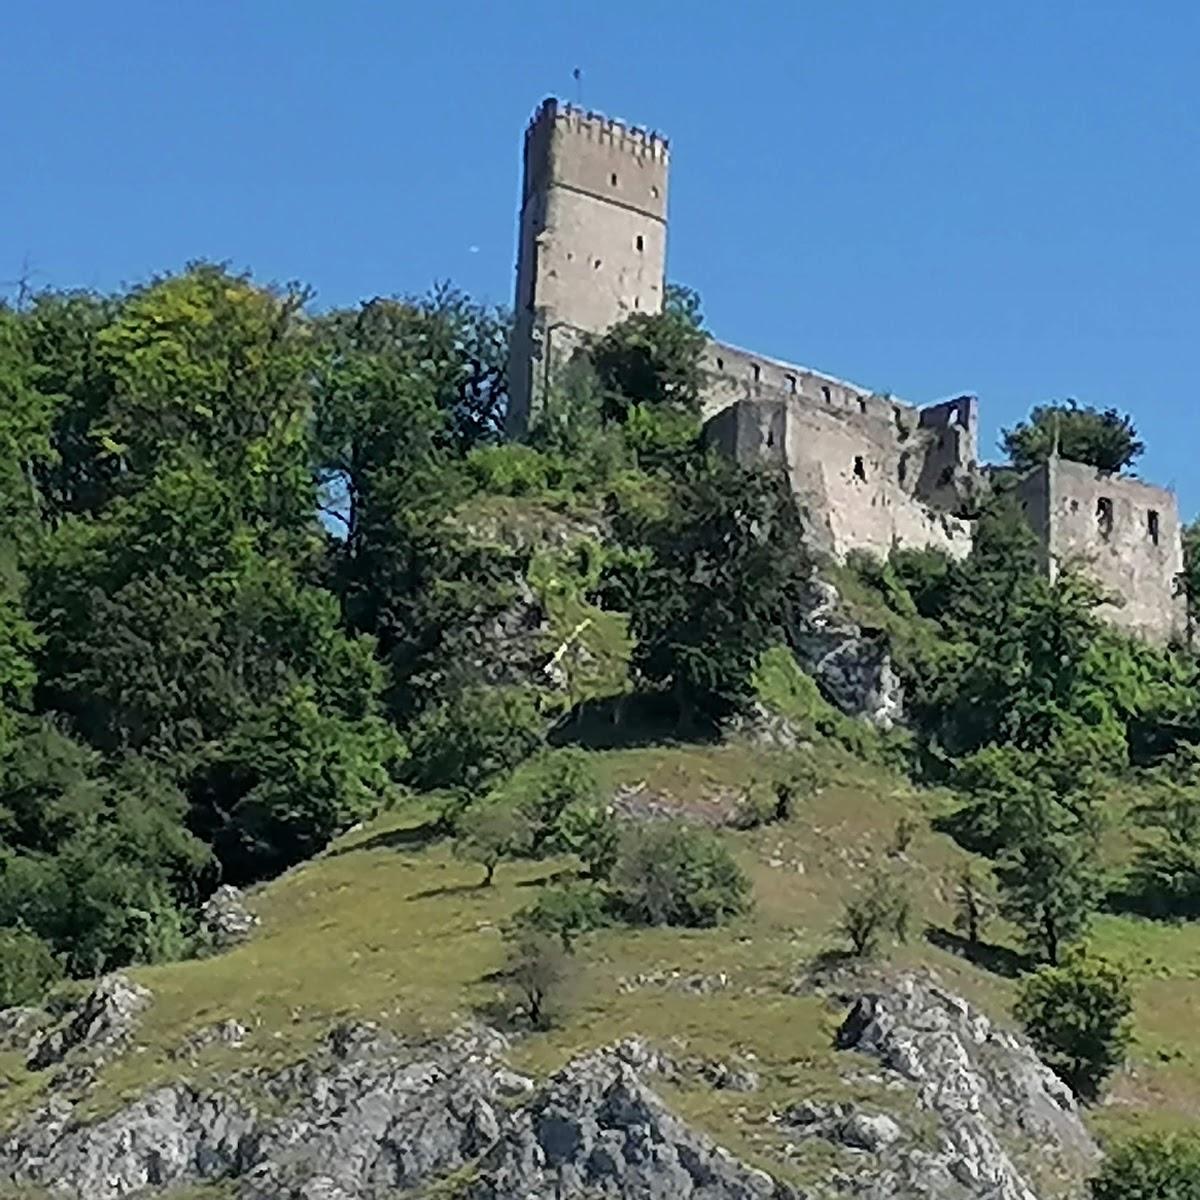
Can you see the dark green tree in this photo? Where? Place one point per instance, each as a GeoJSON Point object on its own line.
{"type": "Point", "coordinates": [1155, 1166]}
{"type": "Point", "coordinates": [1078, 1017]}
{"type": "Point", "coordinates": [718, 582]}
{"type": "Point", "coordinates": [1049, 880]}
{"type": "Point", "coordinates": [1104, 439]}
{"type": "Point", "coordinates": [653, 359]}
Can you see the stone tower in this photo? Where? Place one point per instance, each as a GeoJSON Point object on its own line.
{"type": "Point", "coordinates": [593, 240]}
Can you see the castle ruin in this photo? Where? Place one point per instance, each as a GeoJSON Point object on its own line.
{"type": "Point", "coordinates": [870, 471]}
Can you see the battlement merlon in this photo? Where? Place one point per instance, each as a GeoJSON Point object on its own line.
{"type": "Point", "coordinates": [598, 156]}
{"type": "Point", "coordinates": [596, 125]}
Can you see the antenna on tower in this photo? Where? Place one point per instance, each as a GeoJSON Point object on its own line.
{"type": "Point", "coordinates": [577, 75]}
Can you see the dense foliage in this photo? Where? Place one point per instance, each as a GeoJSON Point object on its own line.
{"type": "Point", "coordinates": [1105, 439]}
{"type": "Point", "coordinates": [1157, 1166]}
{"type": "Point", "coordinates": [1078, 1017]}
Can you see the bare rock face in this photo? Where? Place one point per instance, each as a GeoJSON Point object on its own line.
{"type": "Point", "coordinates": [986, 1088]}
{"type": "Point", "coordinates": [225, 921]}
{"type": "Point", "coordinates": [101, 1025]}
{"type": "Point", "coordinates": [852, 667]}
{"type": "Point", "coordinates": [371, 1116]}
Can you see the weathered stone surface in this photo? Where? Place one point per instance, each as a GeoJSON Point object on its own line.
{"type": "Point", "coordinates": [852, 668]}
{"type": "Point", "coordinates": [370, 1116]}
{"type": "Point", "coordinates": [373, 1116]}
{"type": "Point", "coordinates": [225, 921]}
{"type": "Point", "coordinates": [101, 1024]}
{"type": "Point", "coordinates": [987, 1089]}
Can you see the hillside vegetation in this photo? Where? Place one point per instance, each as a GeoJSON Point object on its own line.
{"type": "Point", "coordinates": [516, 733]}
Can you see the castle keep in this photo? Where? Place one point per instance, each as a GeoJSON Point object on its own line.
{"type": "Point", "coordinates": [871, 472]}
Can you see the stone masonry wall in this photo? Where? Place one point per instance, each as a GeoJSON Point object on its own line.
{"type": "Point", "coordinates": [846, 473]}
{"type": "Point", "coordinates": [1123, 532]}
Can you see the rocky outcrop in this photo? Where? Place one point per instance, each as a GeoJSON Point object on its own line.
{"type": "Point", "coordinates": [852, 667]}
{"type": "Point", "coordinates": [99, 1027]}
{"type": "Point", "coordinates": [1004, 1121]}
{"type": "Point", "coordinates": [225, 921]}
{"type": "Point", "coordinates": [373, 1115]}
{"type": "Point", "coordinates": [973, 1116]}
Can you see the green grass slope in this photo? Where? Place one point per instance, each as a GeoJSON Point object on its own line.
{"type": "Point", "coordinates": [389, 926]}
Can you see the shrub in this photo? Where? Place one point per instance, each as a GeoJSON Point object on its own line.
{"type": "Point", "coordinates": [882, 905]}
{"type": "Point", "coordinates": [1159, 1166]}
{"type": "Point", "coordinates": [567, 911]}
{"type": "Point", "coordinates": [539, 972]}
{"type": "Point", "coordinates": [554, 783]}
{"type": "Point", "coordinates": [477, 735]}
{"type": "Point", "coordinates": [513, 469]}
{"type": "Point", "coordinates": [27, 968]}
{"type": "Point", "coordinates": [1078, 1017]}
{"type": "Point", "coordinates": [676, 875]}
{"type": "Point", "coordinates": [591, 832]}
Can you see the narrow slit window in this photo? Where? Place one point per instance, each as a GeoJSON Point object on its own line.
{"type": "Point", "coordinates": [791, 384]}
{"type": "Point", "coordinates": [825, 395]}
{"type": "Point", "coordinates": [1104, 516]}
{"type": "Point", "coordinates": [613, 179]}
{"type": "Point", "coordinates": [756, 372]}
{"type": "Point", "coordinates": [640, 243]}
{"type": "Point", "coordinates": [862, 405]}
{"type": "Point", "coordinates": [860, 468]}
{"type": "Point", "coordinates": [1152, 526]}
{"type": "Point", "coordinates": [720, 364]}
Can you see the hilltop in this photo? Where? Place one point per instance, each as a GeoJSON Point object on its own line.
{"type": "Point", "coordinates": [740, 803]}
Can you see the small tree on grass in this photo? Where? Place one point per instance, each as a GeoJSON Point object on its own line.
{"type": "Point", "coordinates": [677, 875]}
{"type": "Point", "coordinates": [558, 781]}
{"type": "Point", "coordinates": [539, 972]}
{"type": "Point", "coordinates": [797, 783]}
{"type": "Point", "coordinates": [974, 902]}
{"type": "Point", "coordinates": [881, 906]}
{"type": "Point", "coordinates": [1049, 882]}
{"type": "Point", "coordinates": [487, 833]}
{"type": "Point", "coordinates": [1160, 1166]}
{"type": "Point", "coordinates": [591, 832]}
{"type": "Point", "coordinates": [1078, 1018]}
{"type": "Point", "coordinates": [567, 912]}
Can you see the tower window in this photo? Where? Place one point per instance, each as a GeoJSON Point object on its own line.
{"type": "Point", "coordinates": [791, 384]}
{"type": "Point", "coordinates": [596, 263]}
{"type": "Point", "coordinates": [654, 191]}
{"type": "Point", "coordinates": [862, 405]}
{"type": "Point", "coordinates": [825, 394]}
{"type": "Point", "coordinates": [1152, 526]}
{"type": "Point", "coordinates": [613, 179]}
{"type": "Point", "coordinates": [640, 243]}
{"type": "Point", "coordinates": [1104, 516]}
{"type": "Point", "coordinates": [720, 364]}
{"type": "Point", "coordinates": [756, 371]}
{"type": "Point", "coordinates": [860, 470]}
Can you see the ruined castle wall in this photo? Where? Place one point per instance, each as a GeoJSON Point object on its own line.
{"type": "Point", "coordinates": [1125, 533]}
{"type": "Point", "coordinates": [845, 473]}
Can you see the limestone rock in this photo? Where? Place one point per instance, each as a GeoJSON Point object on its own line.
{"type": "Point", "coordinates": [101, 1024]}
{"type": "Point", "coordinates": [851, 666]}
{"type": "Point", "coordinates": [374, 1116]}
{"type": "Point", "coordinates": [225, 921]}
{"type": "Point", "coordinates": [987, 1089]}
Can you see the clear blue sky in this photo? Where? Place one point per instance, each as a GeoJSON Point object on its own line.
{"type": "Point", "coordinates": [924, 197]}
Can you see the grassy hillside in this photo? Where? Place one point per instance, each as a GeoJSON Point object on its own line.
{"type": "Point", "coordinates": [387, 925]}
